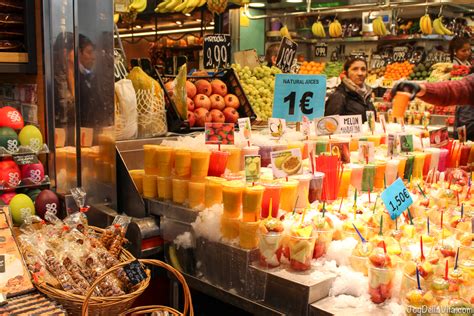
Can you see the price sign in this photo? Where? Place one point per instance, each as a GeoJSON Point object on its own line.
{"type": "Point", "coordinates": [350, 124]}
{"type": "Point", "coordinates": [358, 54]}
{"type": "Point", "coordinates": [216, 51]}
{"type": "Point", "coordinates": [321, 50]}
{"type": "Point", "coordinates": [396, 198]}
{"type": "Point", "coordinates": [25, 160]}
{"type": "Point", "coordinates": [286, 54]}
{"type": "Point", "coordinates": [377, 62]}
{"type": "Point", "coordinates": [298, 95]}
{"type": "Point", "coordinates": [400, 53]}
{"type": "Point", "coordinates": [135, 272]}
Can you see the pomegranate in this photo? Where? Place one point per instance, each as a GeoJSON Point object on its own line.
{"type": "Point", "coordinates": [232, 101]}
{"type": "Point", "coordinates": [190, 104]}
{"type": "Point", "coordinates": [190, 89]}
{"type": "Point", "coordinates": [202, 117]}
{"type": "Point", "coordinates": [218, 87]}
{"type": "Point", "coordinates": [191, 119]}
{"type": "Point", "coordinates": [217, 116]}
{"type": "Point", "coordinates": [231, 115]}
{"type": "Point", "coordinates": [203, 87]}
{"type": "Point", "coordinates": [202, 101]}
{"type": "Point", "coordinates": [217, 102]}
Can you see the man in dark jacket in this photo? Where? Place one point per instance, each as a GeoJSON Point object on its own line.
{"type": "Point", "coordinates": [352, 96]}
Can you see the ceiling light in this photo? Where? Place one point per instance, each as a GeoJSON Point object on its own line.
{"type": "Point", "coordinates": [212, 23]}
{"type": "Point", "coordinates": [257, 5]}
{"type": "Point", "coordinates": [187, 14]}
{"type": "Point", "coordinates": [138, 26]}
{"type": "Point", "coordinates": [179, 22]}
{"type": "Point", "coordinates": [175, 31]}
{"type": "Point", "coordinates": [294, 1]}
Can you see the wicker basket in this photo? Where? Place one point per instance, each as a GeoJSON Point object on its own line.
{"type": "Point", "coordinates": [188, 305]}
{"type": "Point", "coordinates": [111, 305]}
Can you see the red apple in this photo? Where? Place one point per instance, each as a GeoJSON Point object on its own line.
{"type": "Point", "coordinates": [191, 119]}
{"type": "Point", "coordinates": [217, 116]}
{"type": "Point", "coordinates": [202, 117]}
{"type": "Point", "coordinates": [231, 115]}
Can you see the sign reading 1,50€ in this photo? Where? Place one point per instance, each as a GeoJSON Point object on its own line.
{"type": "Point", "coordinates": [296, 96]}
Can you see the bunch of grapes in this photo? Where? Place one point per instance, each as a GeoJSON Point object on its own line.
{"type": "Point", "coordinates": [258, 85]}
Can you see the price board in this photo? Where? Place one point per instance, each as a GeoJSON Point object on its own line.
{"type": "Point", "coordinates": [377, 62]}
{"type": "Point", "coordinates": [298, 95]}
{"type": "Point", "coordinates": [396, 198]}
{"type": "Point", "coordinates": [286, 54]}
{"type": "Point", "coordinates": [135, 272]}
{"type": "Point", "coordinates": [400, 53]}
{"type": "Point", "coordinates": [321, 50]}
{"type": "Point", "coordinates": [216, 51]}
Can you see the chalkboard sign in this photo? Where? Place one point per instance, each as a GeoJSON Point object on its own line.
{"type": "Point", "coordinates": [321, 50]}
{"type": "Point", "coordinates": [358, 54]}
{"type": "Point", "coordinates": [25, 159]}
{"type": "Point", "coordinates": [400, 53]}
{"type": "Point", "coordinates": [135, 272]}
{"type": "Point", "coordinates": [286, 54]}
{"type": "Point", "coordinates": [377, 62]}
{"type": "Point", "coordinates": [216, 51]}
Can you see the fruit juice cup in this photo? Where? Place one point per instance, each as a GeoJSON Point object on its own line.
{"type": "Point", "coordinates": [409, 167]}
{"type": "Point", "coordinates": [380, 283]}
{"type": "Point", "coordinates": [289, 191]}
{"type": "Point", "coordinates": [380, 167]}
{"type": "Point", "coordinates": [391, 171]}
{"type": "Point", "coordinates": [182, 163]}
{"type": "Point", "coordinates": [443, 159]}
{"type": "Point", "coordinates": [248, 151]}
{"type": "Point", "coordinates": [180, 190]}
{"type": "Point", "coordinates": [165, 189]}
{"type": "Point", "coordinates": [400, 103]}
{"type": "Point", "coordinates": [248, 235]}
{"type": "Point", "coordinates": [354, 144]}
{"type": "Point", "coordinates": [434, 162]}
{"type": "Point", "coordinates": [356, 176]}
{"type": "Point", "coordinates": [270, 249]}
{"type": "Point", "coordinates": [232, 198]}
{"type": "Point", "coordinates": [273, 192]}
{"type": "Point", "coordinates": [402, 161]}
{"type": "Point", "coordinates": [322, 242]}
{"type": "Point", "coordinates": [368, 176]}
{"type": "Point", "coordinates": [315, 187]}
{"type": "Point", "coordinates": [427, 164]}
{"type": "Point", "coordinates": [252, 203]}
{"type": "Point", "coordinates": [233, 162]}
{"type": "Point", "coordinates": [230, 227]}
{"type": "Point", "coordinates": [213, 191]}
{"type": "Point", "coordinates": [303, 190]}
{"type": "Point", "coordinates": [217, 163]}
{"type": "Point", "coordinates": [164, 160]}
{"type": "Point", "coordinates": [149, 152]}
{"type": "Point", "coordinates": [196, 194]}
{"type": "Point", "coordinates": [374, 139]}
{"type": "Point", "coordinates": [418, 165]}
{"type": "Point", "coordinates": [149, 186]}
{"type": "Point", "coordinates": [199, 164]}
{"type": "Point", "coordinates": [345, 182]}
{"type": "Point", "coordinates": [321, 146]}
{"type": "Point", "coordinates": [359, 264]}
{"type": "Point", "coordinates": [301, 252]}
{"type": "Point", "coordinates": [137, 178]}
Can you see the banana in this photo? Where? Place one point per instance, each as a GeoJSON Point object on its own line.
{"type": "Point", "coordinates": [444, 28]}
{"type": "Point", "coordinates": [335, 29]}
{"type": "Point", "coordinates": [162, 5]}
{"type": "Point", "coordinates": [174, 259]}
{"type": "Point", "coordinates": [426, 25]}
{"type": "Point", "coordinates": [181, 7]}
{"type": "Point", "coordinates": [379, 27]}
{"type": "Point", "coordinates": [172, 5]}
{"type": "Point", "coordinates": [284, 32]}
{"type": "Point", "coordinates": [116, 18]}
{"type": "Point", "coordinates": [138, 5]}
{"type": "Point", "coordinates": [376, 27]}
{"type": "Point", "coordinates": [191, 4]}
{"type": "Point", "coordinates": [437, 26]}
{"type": "Point", "coordinates": [318, 30]}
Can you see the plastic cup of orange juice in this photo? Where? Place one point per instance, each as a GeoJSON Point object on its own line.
{"type": "Point", "coordinates": [400, 103]}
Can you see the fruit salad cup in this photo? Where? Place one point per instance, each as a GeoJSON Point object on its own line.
{"type": "Point", "coordinates": [270, 236]}
{"type": "Point", "coordinates": [466, 290]}
{"type": "Point", "coordinates": [324, 232]}
{"type": "Point", "coordinates": [417, 302]}
{"type": "Point", "coordinates": [381, 276]}
{"type": "Point", "coordinates": [440, 288]}
{"type": "Point", "coordinates": [409, 275]}
{"type": "Point", "coordinates": [301, 248]}
{"type": "Point", "coordinates": [359, 260]}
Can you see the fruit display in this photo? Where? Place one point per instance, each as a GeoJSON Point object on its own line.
{"type": "Point", "coordinates": [333, 69]}
{"type": "Point", "coordinates": [460, 71]}
{"type": "Point", "coordinates": [420, 72]}
{"type": "Point", "coordinates": [379, 27]}
{"type": "Point", "coordinates": [312, 68]}
{"type": "Point", "coordinates": [399, 70]}
{"type": "Point", "coordinates": [335, 29]}
{"type": "Point", "coordinates": [184, 6]}
{"type": "Point", "coordinates": [378, 72]}
{"type": "Point", "coordinates": [258, 85]}
{"type": "Point", "coordinates": [440, 72]}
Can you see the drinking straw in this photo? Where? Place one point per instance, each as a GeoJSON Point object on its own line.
{"type": "Point", "coordinates": [369, 195]}
{"type": "Point", "coordinates": [270, 208]}
{"type": "Point", "coordinates": [446, 267]}
{"type": "Point", "coordinates": [381, 225]}
{"type": "Point", "coordinates": [324, 207]}
{"type": "Point", "coordinates": [340, 205]}
{"type": "Point", "coordinates": [450, 181]}
{"type": "Point", "coordinates": [428, 225]}
{"type": "Point", "coordinates": [456, 261]}
{"type": "Point", "coordinates": [358, 233]}
{"type": "Point", "coordinates": [422, 257]}
{"type": "Point", "coordinates": [421, 190]}
{"type": "Point", "coordinates": [296, 203]}
{"type": "Point", "coordinates": [384, 247]}
{"type": "Point", "coordinates": [462, 210]}
{"type": "Point", "coordinates": [219, 147]}
{"type": "Point", "coordinates": [457, 196]}
{"type": "Point", "coordinates": [375, 204]}
{"type": "Point", "coordinates": [312, 162]}
{"type": "Point", "coordinates": [248, 143]}
{"type": "Point", "coordinates": [441, 224]}
{"type": "Point", "coordinates": [302, 217]}
{"type": "Point", "coordinates": [418, 278]}
{"type": "Point", "coordinates": [469, 186]}
{"type": "Point", "coordinates": [396, 223]}
{"type": "Point", "coordinates": [409, 216]}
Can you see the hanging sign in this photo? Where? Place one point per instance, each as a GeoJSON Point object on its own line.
{"type": "Point", "coordinates": [321, 50]}
{"type": "Point", "coordinates": [216, 51]}
{"type": "Point", "coordinates": [286, 54]}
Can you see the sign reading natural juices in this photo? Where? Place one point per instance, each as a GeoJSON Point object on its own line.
{"type": "Point", "coordinates": [252, 167]}
{"type": "Point", "coordinates": [298, 95]}
{"type": "Point", "coordinates": [219, 133]}
{"type": "Point", "coordinates": [286, 162]}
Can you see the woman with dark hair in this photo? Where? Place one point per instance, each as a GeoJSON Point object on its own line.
{"type": "Point", "coordinates": [352, 96]}
{"type": "Point", "coordinates": [271, 54]}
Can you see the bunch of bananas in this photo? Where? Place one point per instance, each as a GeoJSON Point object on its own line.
{"type": "Point", "coordinates": [379, 27]}
{"type": "Point", "coordinates": [425, 25]}
{"type": "Point", "coordinates": [335, 29]}
{"type": "Point", "coordinates": [318, 29]}
{"type": "Point", "coordinates": [184, 6]}
{"type": "Point", "coordinates": [137, 6]}
{"type": "Point", "coordinates": [284, 32]}
{"type": "Point", "coordinates": [439, 27]}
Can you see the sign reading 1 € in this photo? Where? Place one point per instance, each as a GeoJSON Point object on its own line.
{"type": "Point", "coordinates": [296, 96]}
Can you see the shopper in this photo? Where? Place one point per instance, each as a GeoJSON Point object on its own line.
{"type": "Point", "coordinates": [352, 96]}
{"type": "Point", "coordinates": [460, 51]}
{"type": "Point", "coordinates": [271, 54]}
